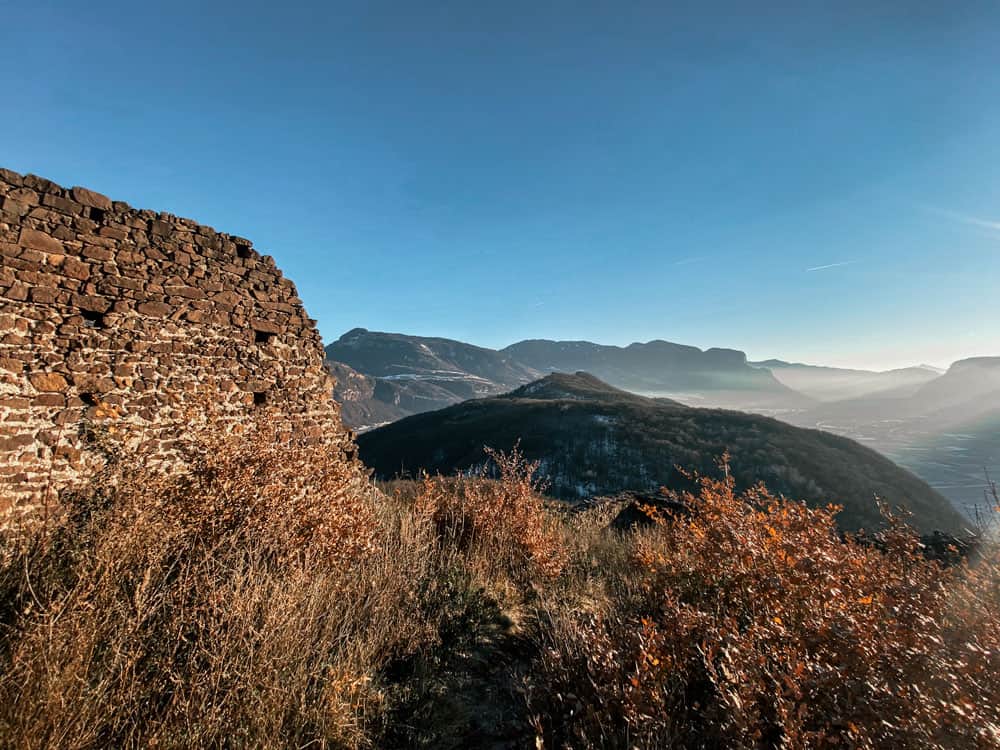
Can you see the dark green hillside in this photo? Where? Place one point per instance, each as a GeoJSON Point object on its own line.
{"type": "Point", "coordinates": [594, 439]}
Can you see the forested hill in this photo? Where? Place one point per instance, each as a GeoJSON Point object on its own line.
{"type": "Point", "coordinates": [594, 439]}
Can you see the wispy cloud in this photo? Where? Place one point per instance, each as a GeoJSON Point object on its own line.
{"type": "Point", "coordinates": [972, 221]}
{"type": "Point", "coordinates": [831, 265]}
{"type": "Point", "coordinates": [686, 261]}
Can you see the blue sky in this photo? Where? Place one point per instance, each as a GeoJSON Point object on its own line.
{"type": "Point", "coordinates": [813, 181]}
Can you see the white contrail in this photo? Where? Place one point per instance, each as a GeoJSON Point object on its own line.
{"type": "Point", "coordinates": [831, 265]}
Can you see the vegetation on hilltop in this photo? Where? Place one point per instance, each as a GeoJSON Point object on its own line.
{"type": "Point", "coordinates": [259, 596]}
{"type": "Point", "coordinates": [593, 439]}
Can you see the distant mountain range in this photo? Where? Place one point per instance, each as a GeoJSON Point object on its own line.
{"type": "Point", "coordinates": [944, 426]}
{"type": "Point", "coordinates": [946, 430]}
{"type": "Point", "coordinates": [714, 377]}
{"type": "Point", "coordinates": [594, 439]}
{"type": "Point", "coordinates": [836, 384]}
{"type": "Point", "coordinates": [413, 374]}
{"type": "Point", "coordinates": [967, 389]}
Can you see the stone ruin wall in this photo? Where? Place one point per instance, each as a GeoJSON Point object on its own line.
{"type": "Point", "coordinates": [144, 312]}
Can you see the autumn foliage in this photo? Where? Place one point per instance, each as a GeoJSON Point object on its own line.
{"type": "Point", "coordinates": [261, 593]}
{"type": "Point", "coordinates": [503, 515]}
{"type": "Point", "coordinates": [752, 623]}
{"type": "Point", "coordinates": [198, 603]}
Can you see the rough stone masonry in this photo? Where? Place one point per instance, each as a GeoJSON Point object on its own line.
{"type": "Point", "coordinates": [144, 312]}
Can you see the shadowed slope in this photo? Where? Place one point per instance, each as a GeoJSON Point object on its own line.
{"type": "Point", "coordinates": [594, 439]}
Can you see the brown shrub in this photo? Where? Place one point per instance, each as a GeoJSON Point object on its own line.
{"type": "Point", "coordinates": [503, 519]}
{"type": "Point", "coordinates": [752, 624]}
{"type": "Point", "coordinates": [248, 597]}
{"type": "Point", "coordinates": [261, 594]}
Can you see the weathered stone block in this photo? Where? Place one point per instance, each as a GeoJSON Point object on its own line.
{"type": "Point", "coordinates": [10, 177]}
{"type": "Point", "coordinates": [114, 233]}
{"type": "Point", "coordinates": [97, 253]}
{"type": "Point", "coordinates": [91, 303]}
{"type": "Point", "coordinates": [39, 183]}
{"type": "Point", "coordinates": [15, 209]}
{"type": "Point", "coordinates": [188, 292]}
{"type": "Point", "coordinates": [43, 296]}
{"type": "Point", "coordinates": [49, 400]}
{"type": "Point", "coordinates": [265, 326]}
{"type": "Point", "coordinates": [32, 238]}
{"type": "Point", "coordinates": [90, 198]}
{"type": "Point", "coordinates": [61, 204]}
{"type": "Point", "coordinates": [65, 233]}
{"type": "Point", "coordinates": [26, 196]}
{"type": "Point", "coordinates": [74, 269]}
{"type": "Point", "coordinates": [15, 442]}
{"type": "Point", "coordinates": [154, 309]}
{"type": "Point", "coordinates": [17, 292]}
{"type": "Point", "coordinates": [48, 382]}
{"type": "Point", "coordinates": [160, 228]}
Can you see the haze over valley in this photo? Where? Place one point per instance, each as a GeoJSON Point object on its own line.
{"type": "Point", "coordinates": [452, 375]}
{"type": "Point", "coordinates": [944, 426]}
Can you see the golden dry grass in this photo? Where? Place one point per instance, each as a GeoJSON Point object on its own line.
{"type": "Point", "coordinates": [265, 595]}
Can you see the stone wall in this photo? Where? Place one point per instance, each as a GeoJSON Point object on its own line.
{"type": "Point", "coordinates": [146, 313]}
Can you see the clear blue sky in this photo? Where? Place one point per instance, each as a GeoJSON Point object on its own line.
{"type": "Point", "coordinates": [815, 181]}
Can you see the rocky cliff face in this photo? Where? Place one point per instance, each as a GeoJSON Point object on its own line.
{"type": "Point", "coordinates": [398, 375]}
{"type": "Point", "coordinates": [404, 357]}
{"type": "Point", "coordinates": [145, 312]}
{"type": "Point", "coordinates": [365, 402]}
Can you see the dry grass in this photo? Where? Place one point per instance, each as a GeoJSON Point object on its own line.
{"type": "Point", "coordinates": [499, 521]}
{"type": "Point", "coordinates": [244, 601]}
{"type": "Point", "coordinates": [267, 596]}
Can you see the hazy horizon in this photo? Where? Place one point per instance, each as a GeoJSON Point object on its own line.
{"type": "Point", "coordinates": [942, 364]}
{"type": "Point", "coordinates": [810, 183]}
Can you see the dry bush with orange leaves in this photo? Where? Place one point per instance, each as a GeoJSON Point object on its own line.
{"type": "Point", "coordinates": [258, 592]}
{"type": "Point", "coordinates": [248, 595]}
{"type": "Point", "coordinates": [255, 482]}
{"type": "Point", "coordinates": [752, 623]}
{"type": "Point", "coordinates": [503, 518]}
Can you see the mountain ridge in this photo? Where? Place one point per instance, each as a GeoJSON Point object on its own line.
{"type": "Point", "coordinates": [829, 384]}
{"type": "Point", "coordinates": [717, 375]}
{"type": "Point", "coordinates": [413, 374]}
{"type": "Point", "coordinates": [423, 373]}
